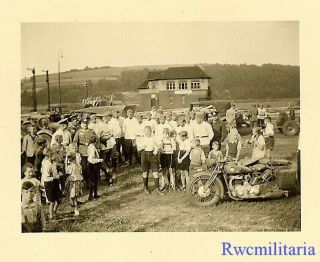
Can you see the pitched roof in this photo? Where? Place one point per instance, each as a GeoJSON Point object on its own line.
{"type": "Point", "coordinates": [186, 72]}
{"type": "Point", "coordinates": [178, 73]}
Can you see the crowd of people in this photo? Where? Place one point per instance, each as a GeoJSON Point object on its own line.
{"type": "Point", "coordinates": [171, 147]}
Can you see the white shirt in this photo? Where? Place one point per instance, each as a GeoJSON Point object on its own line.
{"type": "Point", "coordinates": [46, 171]}
{"type": "Point", "coordinates": [185, 145]}
{"type": "Point", "coordinates": [269, 130]}
{"type": "Point", "coordinates": [115, 126]}
{"type": "Point", "coordinates": [203, 132]}
{"type": "Point", "coordinates": [173, 124]}
{"type": "Point", "coordinates": [66, 137]}
{"type": "Point", "coordinates": [152, 123]}
{"type": "Point", "coordinates": [230, 115]}
{"type": "Point", "coordinates": [149, 144]}
{"type": "Point", "coordinates": [262, 113]}
{"type": "Point", "coordinates": [186, 127]}
{"type": "Point", "coordinates": [130, 128]}
{"type": "Point", "coordinates": [140, 136]}
{"type": "Point", "coordinates": [93, 155]}
{"type": "Point", "coordinates": [158, 131]}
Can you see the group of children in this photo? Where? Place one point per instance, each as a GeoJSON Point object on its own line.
{"type": "Point", "coordinates": [173, 159]}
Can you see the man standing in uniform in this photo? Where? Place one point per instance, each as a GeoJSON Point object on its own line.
{"type": "Point", "coordinates": [219, 129]}
{"type": "Point", "coordinates": [203, 131]}
{"type": "Point", "coordinates": [81, 138]}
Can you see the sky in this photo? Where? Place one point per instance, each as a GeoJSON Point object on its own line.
{"type": "Point", "coordinates": [129, 44]}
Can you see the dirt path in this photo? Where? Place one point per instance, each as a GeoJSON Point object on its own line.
{"type": "Point", "coordinates": [124, 207]}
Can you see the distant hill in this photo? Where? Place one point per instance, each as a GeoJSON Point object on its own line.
{"type": "Point", "coordinates": [228, 82]}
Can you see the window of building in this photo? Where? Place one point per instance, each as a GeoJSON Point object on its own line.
{"type": "Point", "coordinates": [183, 85]}
{"type": "Point", "coordinates": [171, 100]}
{"type": "Point", "coordinates": [153, 85]}
{"type": "Point", "coordinates": [195, 85]}
{"type": "Point", "coordinates": [183, 100]}
{"type": "Point", "coordinates": [171, 86]}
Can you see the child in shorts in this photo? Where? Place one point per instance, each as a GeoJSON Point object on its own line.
{"type": "Point", "coordinates": [167, 146]}
{"type": "Point", "coordinates": [74, 182]}
{"type": "Point", "coordinates": [50, 178]}
{"type": "Point", "coordinates": [149, 160]}
{"type": "Point", "coordinates": [197, 157]}
{"type": "Point", "coordinates": [183, 158]}
{"type": "Point", "coordinates": [268, 136]}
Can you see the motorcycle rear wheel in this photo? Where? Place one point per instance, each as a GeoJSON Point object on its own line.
{"type": "Point", "coordinates": [202, 198]}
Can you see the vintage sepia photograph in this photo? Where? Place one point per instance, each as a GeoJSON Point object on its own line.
{"type": "Point", "coordinates": [160, 127]}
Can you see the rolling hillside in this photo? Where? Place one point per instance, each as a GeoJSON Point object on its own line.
{"type": "Point", "coordinates": [268, 81]}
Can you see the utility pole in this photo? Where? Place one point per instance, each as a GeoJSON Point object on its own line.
{"type": "Point", "coordinates": [87, 87]}
{"type": "Point", "coordinates": [34, 91]}
{"type": "Point", "coordinates": [60, 55]}
{"type": "Point", "coordinates": [47, 80]}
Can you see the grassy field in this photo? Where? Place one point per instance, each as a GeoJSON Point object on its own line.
{"type": "Point", "coordinates": [124, 207]}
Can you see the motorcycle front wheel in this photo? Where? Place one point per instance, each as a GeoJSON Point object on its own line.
{"type": "Point", "coordinates": [200, 196]}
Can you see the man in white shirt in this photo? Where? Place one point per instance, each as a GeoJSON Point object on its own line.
{"type": "Point", "coordinates": [203, 131]}
{"type": "Point", "coordinates": [130, 129]}
{"type": "Point", "coordinates": [62, 130]}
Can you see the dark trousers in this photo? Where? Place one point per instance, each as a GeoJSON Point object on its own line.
{"type": "Point", "coordinates": [94, 175]}
{"type": "Point", "coordinates": [108, 161]}
{"type": "Point", "coordinates": [120, 149]}
{"type": "Point", "coordinates": [30, 159]}
{"type": "Point", "coordinates": [84, 166]}
{"type": "Point", "coordinates": [130, 150]}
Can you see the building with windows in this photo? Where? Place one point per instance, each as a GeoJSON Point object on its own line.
{"type": "Point", "coordinates": [174, 87]}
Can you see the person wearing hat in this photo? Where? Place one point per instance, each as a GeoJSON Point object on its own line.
{"type": "Point", "coordinates": [62, 130]}
{"type": "Point", "coordinates": [203, 131]}
{"type": "Point", "coordinates": [81, 138]}
{"type": "Point", "coordinates": [219, 129]}
{"type": "Point", "coordinates": [29, 144]}
{"type": "Point", "coordinates": [39, 156]}
{"type": "Point", "coordinates": [183, 158]}
{"type": "Point", "coordinates": [233, 144]}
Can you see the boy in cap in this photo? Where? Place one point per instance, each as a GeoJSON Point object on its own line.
{"type": "Point", "coordinates": [32, 216]}
{"type": "Point", "coordinates": [183, 158]}
{"type": "Point", "coordinates": [28, 144]}
{"type": "Point", "coordinates": [62, 130]}
{"type": "Point", "coordinates": [197, 157]}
